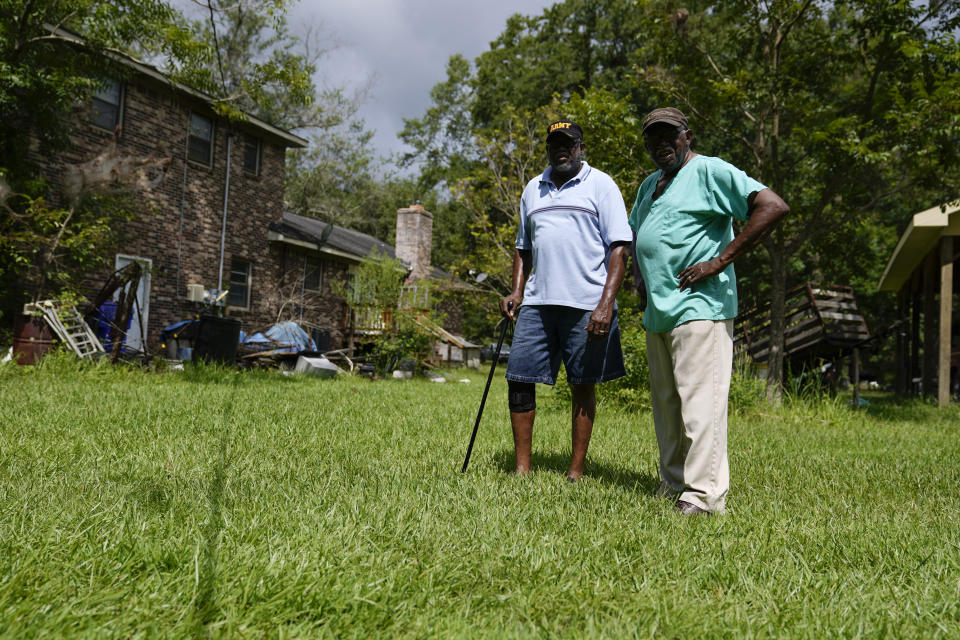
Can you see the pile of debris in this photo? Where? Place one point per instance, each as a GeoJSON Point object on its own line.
{"type": "Point", "coordinates": [288, 346]}
{"type": "Point", "coordinates": [285, 345]}
{"type": "Point", "coordinates": [100, 327]}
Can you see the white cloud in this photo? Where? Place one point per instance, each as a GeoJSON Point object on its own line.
{"type": "Point", "coordinates": [403, 46]}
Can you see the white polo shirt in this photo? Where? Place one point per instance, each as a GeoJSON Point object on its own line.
{"type": "Point", "coordinates": [569, 232]}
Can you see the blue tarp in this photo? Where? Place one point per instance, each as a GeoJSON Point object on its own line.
{"type": "Point", "coordinates": [178, 326]}
{"type": "Point", "coordinates": [285, 337]}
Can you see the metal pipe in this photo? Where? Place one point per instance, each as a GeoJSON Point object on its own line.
{"type": "Point", "coordinates": [303, 286]}
{"type": "Point", "coordinates": [183, 197]}
{"type": "Point", "coordinates": [223, 227]}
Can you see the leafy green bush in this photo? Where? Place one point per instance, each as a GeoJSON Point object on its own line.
{"type": "Point", "coordinates": [46, 251]}
{"type": "Point", "coordinates": [378, 283]}
{"type": "Point", "coordinates": [632, 391]}
{"type": "Point", "coordinates": [410, 341]}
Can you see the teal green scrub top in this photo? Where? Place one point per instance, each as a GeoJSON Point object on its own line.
{"type": "Point", "coordinates": [690, 222]}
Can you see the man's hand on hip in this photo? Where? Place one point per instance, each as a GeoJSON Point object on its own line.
{"type": "Point", "coordinates": [699, 272]}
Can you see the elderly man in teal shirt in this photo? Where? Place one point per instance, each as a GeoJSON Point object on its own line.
{"type": "Point", "coordinates": [684, 250]}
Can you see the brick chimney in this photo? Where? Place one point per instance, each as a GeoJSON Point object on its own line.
{"type": "Point", "coordinates": [414, 237]}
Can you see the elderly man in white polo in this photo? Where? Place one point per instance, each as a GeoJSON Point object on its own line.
{"type": "Point", "coordinates": [570, 259]}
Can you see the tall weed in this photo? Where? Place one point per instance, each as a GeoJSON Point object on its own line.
{"type": "Point", "coordinates": [748, 390]}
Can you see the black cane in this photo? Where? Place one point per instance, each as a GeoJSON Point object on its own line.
{"type": "Point", "coordinates": [486, 389]}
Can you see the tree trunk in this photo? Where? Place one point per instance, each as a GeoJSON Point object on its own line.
{"type": "Point", "coordinates": [778, 289]}
{"type": "Point", "coordinates": [49, 254]}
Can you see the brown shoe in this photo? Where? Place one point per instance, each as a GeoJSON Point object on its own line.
{"type": "Point", "coordinates": [690, 509]}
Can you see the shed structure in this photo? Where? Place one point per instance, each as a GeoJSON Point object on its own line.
{"type": "Point", "coordinates": [921, 272]}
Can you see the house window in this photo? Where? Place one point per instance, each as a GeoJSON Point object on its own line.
{"type": "Point", "coordinates": [239, 295]}
{"type": "Point", "coordinates": [313, 275]}
{"type": "Point", "coordinates": [200, 140]}
{"type": "Point", "coordinates": [105, 104]}
{"type": "Point", "coordinates": [251, 155]}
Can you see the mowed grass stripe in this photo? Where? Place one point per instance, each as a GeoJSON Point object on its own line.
{"type": "Point", "coordinates": [211, 503]}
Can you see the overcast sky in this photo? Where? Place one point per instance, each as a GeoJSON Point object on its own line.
{"type": "Point", "coordinates": [402, 46]}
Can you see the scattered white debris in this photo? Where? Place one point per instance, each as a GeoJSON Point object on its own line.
{"type": "Point", "coordinates": [435, 377]}
{"type": "Point", "coordinates": [320, 367]}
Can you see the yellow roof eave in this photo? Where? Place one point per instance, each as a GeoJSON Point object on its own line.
{"type": "Point", "coordinates": [920, 236]}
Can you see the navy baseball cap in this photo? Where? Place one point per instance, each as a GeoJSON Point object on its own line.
{"type": "Point", "coordinates": [568, 128]}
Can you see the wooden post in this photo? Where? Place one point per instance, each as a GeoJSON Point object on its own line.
{"type": "Point", "coordinates": [946, 315]}
{"type": "Point", "coordinates": [930, 322]}
{"type": "Point", "coordinates": [901, 360]}
{"type": "Point", "coordinates": [348, 322]}
{"type": "Point", "coordinates": [856, 377]}
{"type": "Point", "coordinates": [916, 291]}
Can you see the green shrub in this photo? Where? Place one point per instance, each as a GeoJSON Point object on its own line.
{"type": "Point", "coordinates": [559, 397]}
{"type": "Point", "coordinates": [410, 341]}
{"type": "Point", "coordinates": [378, 283]}
{"type": "Point", "coordinates": [747, 389]}
{"type": "Point", "coordinates": [631, 391]}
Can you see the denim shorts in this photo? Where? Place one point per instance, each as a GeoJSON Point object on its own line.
{"type": "Point", "coordinates": [545, 334]}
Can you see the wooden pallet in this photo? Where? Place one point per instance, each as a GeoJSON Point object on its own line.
{"type": "Point", "coordinates": [819, 321]}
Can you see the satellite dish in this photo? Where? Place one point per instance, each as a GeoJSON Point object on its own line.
{"type": "Point", "coordinates": [326, 233]}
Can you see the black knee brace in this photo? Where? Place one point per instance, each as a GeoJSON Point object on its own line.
{"type": "Point", "coordinates": [521, 396]}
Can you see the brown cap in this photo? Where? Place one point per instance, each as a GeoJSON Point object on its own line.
{"type": "Point", "coordinates": [667, 115]}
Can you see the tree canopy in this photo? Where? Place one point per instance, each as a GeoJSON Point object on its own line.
{"type": "Point", "coordinates": [848, 109]}
{"type": "Point", "coordinates": [52, 56]}
{"type": "Point", "coordinates": [44, 71]}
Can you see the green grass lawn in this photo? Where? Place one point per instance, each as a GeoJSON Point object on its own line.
{"type": "Point", "coordinates": [207, 503]}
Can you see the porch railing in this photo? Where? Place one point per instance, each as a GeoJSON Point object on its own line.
{"type": "Point", "coordinates": [371, 320]}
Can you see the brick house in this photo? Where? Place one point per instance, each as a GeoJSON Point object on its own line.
{"type": "Point", "coordinates": [217, 222]}
{"type": "Point", "coordinates": [313, 254]}
{"type": "Point", "coordinates": [208, 223]}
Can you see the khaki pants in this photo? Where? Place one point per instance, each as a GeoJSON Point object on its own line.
{"type": "Point", "coordinates": [690, 369]}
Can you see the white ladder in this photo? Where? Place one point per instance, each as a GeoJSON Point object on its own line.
{"type": "Point", "coordinates": [69, 326]}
